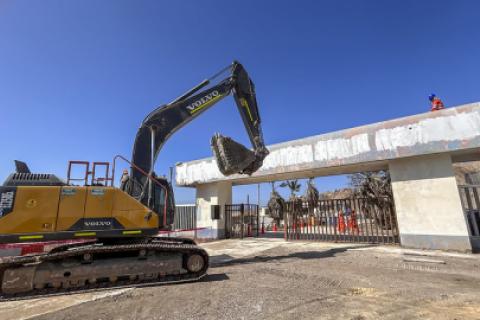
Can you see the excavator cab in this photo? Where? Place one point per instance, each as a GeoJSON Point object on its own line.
{"type": "Point", "coordinates": [163, 203]}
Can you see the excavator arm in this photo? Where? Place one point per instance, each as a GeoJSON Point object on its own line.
{"type": "Point", "coordinates": [231, 156]}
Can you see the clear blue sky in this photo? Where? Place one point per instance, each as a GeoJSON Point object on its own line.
{"type": "Point", "coordinates": [78, 77]}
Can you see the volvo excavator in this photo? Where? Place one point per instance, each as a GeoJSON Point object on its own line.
{"type": "Point", "coordinates": [119, 228]}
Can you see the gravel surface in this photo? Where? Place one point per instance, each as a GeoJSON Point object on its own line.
{"type": "Point", "coordinates": [272, 279]}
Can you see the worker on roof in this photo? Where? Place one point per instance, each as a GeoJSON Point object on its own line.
{"type": "Point", "coordinates": [437, 104]}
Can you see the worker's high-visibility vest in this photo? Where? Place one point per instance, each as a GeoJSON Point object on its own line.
{"type": "Point", "coordinates": [437, 104]}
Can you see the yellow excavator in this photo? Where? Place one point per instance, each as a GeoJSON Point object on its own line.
{"type": "Point", "coordinates": [119, 226]}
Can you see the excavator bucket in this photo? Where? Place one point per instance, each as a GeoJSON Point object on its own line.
{"type": "Point", "coordinates": [232, 157]}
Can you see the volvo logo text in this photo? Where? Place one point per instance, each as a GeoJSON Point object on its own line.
{"type": "Point", "coordinates": [196, 104]}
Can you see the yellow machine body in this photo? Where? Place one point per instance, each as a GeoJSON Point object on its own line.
{"type": "Point", "coordinates": [68, 212]}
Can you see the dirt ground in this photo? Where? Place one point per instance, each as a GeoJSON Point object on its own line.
{"type": "Point", "coordinates": [273, 279]}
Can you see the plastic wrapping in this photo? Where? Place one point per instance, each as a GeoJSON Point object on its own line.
{"type": "Point", "coordinates": [276, 206]}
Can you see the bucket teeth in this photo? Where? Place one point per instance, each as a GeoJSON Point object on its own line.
{"type": "Point", "coordinates": [232, 157]}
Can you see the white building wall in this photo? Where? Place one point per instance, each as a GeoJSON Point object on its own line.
{"type": "Point", "coordinates": [427, 203]}
{"type": "Point", "coordinates": [207, 195]}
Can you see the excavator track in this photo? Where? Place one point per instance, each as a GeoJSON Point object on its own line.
{"type": "Point", "coordinates": [95, 266]}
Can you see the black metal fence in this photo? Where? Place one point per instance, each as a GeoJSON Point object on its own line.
{"type": "Point", "coordinates": [469, 195]}
{"type": "Point", "coordinates": [341, 220]}
{"type": "Point", "coordinates": [241, 220]}
{"type": "Point", "coordinates": [185, 217]}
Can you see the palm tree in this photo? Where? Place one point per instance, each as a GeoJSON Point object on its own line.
{"type": "Point", "coordinates": [312, 196]}
{"type": "Point", "coordinates": [276, 205]}
{"type": "Point", "coordinates": [294, 207]}
{"type": "Point", "coordinates": [376, 188]}
{"type": "Point", "coordinates": [293, 185]}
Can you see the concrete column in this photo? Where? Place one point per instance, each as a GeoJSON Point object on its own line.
{"type": "Point", "coordinates": [207, 195]}
{"type": "Point", "coordinates": [427, 203]}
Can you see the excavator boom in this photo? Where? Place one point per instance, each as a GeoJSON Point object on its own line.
{"type": "Point", "coordinates": [231, 156]}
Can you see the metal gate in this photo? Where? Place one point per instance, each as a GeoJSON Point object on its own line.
{"type": "Point", "coordinates": [241, 220]}
{"type": "Point", "coordinates": [469, 195]}
{"type": "Point", "coordinates": [341, 220]}
{"type": "Point", "coordinates": [185, 217]}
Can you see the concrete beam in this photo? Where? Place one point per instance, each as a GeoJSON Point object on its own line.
{"type": "Point", "coordinates": [455, 131]}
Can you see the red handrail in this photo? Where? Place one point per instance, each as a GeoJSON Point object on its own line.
{"type": "Point", "coordinates": [107, 172]}
{"type": "Point", "coordinates": [87, 171]}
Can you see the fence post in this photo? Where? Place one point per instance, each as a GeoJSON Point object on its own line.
{"type": "Point", "coordinates": [242, 224]}
{"type": "Point", "coordinates": [250, 222]}
{"type": "Point", "coordinates": [258, 219]}
{"type": "Point", "coordinates": [225, 222]}
{"type": "Point", "coordinates": [194, 222]}
{"type": "Point", "coordinates": [228, 220]}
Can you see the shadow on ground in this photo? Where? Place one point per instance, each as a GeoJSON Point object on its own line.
{"type": "Point", "coordinates": [306, 255]}
{"type": "Point", "coordinates": [215, 277]}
